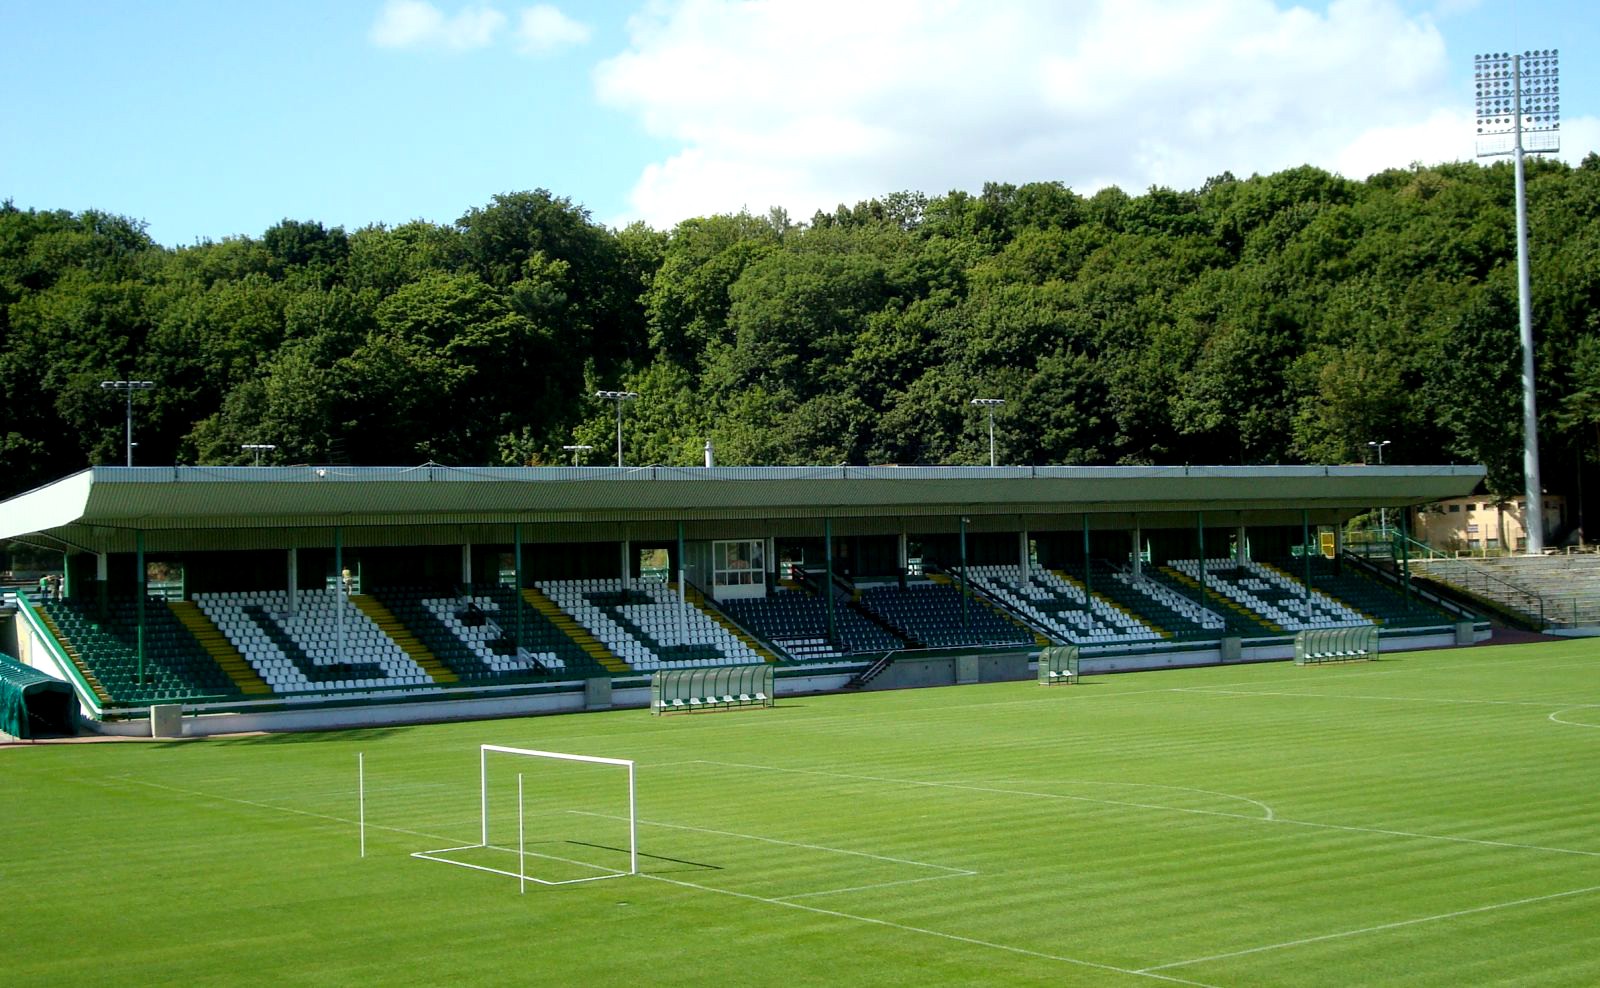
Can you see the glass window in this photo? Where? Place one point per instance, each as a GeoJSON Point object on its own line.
{"type": "Point", "coordinates": [739, 563]}
{"type": "Point", "coordinates": [1455, 508]}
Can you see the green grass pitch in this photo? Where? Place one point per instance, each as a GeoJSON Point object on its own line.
{"type": "Point", "coordinates": [1430, 819]}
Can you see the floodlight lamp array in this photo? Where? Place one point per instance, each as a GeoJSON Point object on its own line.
{"type": "Point", "coordinates": [1512, 86]}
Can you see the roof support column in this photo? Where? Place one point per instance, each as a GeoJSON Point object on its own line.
{"type": "Point", "coordinates": [627, 567]}
{"type": "Point", "coordinates": [140, 588]}
{"type": "Point", "coordinates": [963, 572]}
{"type": "Point", "coordinates": [683, 569]}
{"type": "Point", "coordinates": [1138, 550]}
{"type": "Point", "coordinates": [1200, 530]}
{"type": "Point", "coordinates": [102, 576]}
{"type": "Point", "coordinates": [516, 575]}
{"type": "Point", "coordinates": [66, 576]}
{"type": "Point", "coordinates": [293, 589]}
{"type": "Point", "coordinates": [466, 566]}
{"type": "Point", "coordinates": [1241, 554]}
{"type": "Point", "coordinates": [1088, 585]}
{"type": "Point", "coordinates": [1022, 557]}
{"type": "Point", "coordinates": [827, 577]}
{"type": "Point", "coordinates": [1405, 558]}
{"type": "Point", "coordinates": [341, 581]}
{"type": "Point", "coordinates": [1305, 553]}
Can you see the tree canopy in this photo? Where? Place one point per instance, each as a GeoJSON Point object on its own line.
{"type": "Point", "coordinates": [1285, 318]}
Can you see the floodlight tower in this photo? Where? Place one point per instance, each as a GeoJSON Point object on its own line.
{"type": "Point", "coordinates": [577, 448]}
{"type": "Point", "coordinates": [990, 404]}
{"type": "Point", "coordinates": [619, 397]}
{"type": "Point", "coordinates": [1383, 513]}
{"type": "Point", "coordinates": [1519, 110]}
{"type": "Point", "coordinates": [128, 388]}
{"type": "Point", "coordinates": [258, 449]}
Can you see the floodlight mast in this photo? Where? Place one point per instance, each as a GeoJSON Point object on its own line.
{"type": "Point", "coordinates": [258, 449]}
{"type": "Point", "coordinates": [128, 388]}
{"type": "Point", "coordinates": [577, 448]}
{"type": "Point", "coordinates": [1520, 96]}
{"type": "Point", "coordinates": [619, 397]}
{"type": "Point", "coordinates": [990, 404]}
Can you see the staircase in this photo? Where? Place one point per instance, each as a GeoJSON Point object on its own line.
{"type": "Point", "coordinates": [1214, 595]}
{"type": "Point", "coordinates": [982, 599]}
{"type": "Point", "coordinates": [575, 631]}
{"type": "Point", "coordinates": [217, 646]}
{"type": "Point", "coordinates": [402, 636]}
{"type": "Point", "coordinates": [100, 692]}
{"type": "Point", "coordinates": [698, 600]}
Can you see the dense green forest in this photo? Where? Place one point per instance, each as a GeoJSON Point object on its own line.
{"type": "Point", "coordinates": [1286, 318]}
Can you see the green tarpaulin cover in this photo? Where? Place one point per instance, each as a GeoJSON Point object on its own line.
{"type": "Point", "coordinates": [33, 704]}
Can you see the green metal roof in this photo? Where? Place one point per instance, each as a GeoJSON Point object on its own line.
{"type": "Point", "coordinates": [98, 509]}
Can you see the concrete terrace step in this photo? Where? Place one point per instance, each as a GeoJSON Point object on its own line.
{"type": "Point", "coordinates": [580, 635]}
{"type": "Point", "coordinates": [403, 637]}
{"type": "Point", "coordinates": [216, 644]}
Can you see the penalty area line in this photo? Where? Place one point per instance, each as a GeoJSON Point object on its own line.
{"type": "Point", "coordinates": [924, 931]}
{"type": "Point", "coordinates": [1399, 924]}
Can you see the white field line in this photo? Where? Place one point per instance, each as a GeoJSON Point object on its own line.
{"type": "Point", "coordinates": [784, 843]}
{"type": "Point", "coordinates": [1374, 929]}
{"type": "Point", "coordinates": [871, 888]}
{"type": "Point", "coordinates": [1556, 716]}
{"type": "Point", "coordinates": [1169, 809]}
{"type": "Point", "coordinates": [904, 928]}
{"type": "Point", "coordinates": [1221, 691]}
{"type": "Point", "coordinates": [280, 809]}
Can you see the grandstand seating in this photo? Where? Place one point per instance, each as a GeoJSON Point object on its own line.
{"type": "Point", "coordinates": [1270, 594]}
{"type": "Point", "coordinates": [475, 635]}
{"type": "Point", "coordinates": [931, 614]}
{"type": "Point", "coordinates": [646, 625]}
{"type": "Point", "coordinates": [176, 667]}
{"type": "Point", "coordinates": [1378, 601]}
{"type": "Point", "coordinates": [326, 645]}
{"type": "Point", "coordinates": [796, 621]}
{"type": "Point", "coordinates": [1061, 606]}
{"type": "Point", "coordinates": [1158, 604]}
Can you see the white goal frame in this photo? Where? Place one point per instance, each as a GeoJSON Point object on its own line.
{"type": "Point", "coordinates": [521, 874]}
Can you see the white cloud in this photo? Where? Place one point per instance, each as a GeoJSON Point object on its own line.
{"type": "Point", "coordinates": [419, 24]}
{"type": "Point", "coordinates": [542, 29]}
{"type": "Point", "coordinates": [808, 103]}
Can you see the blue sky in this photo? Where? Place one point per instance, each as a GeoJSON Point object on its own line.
{"type": "Point", "coordinates": [214, 119]}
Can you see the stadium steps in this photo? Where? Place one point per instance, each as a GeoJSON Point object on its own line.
{"type": "Point", "coordinates": [1172, 573]}
{"type": "Point", "coordinates": [591, 646]}
{"type": "Point", "coordinates": [1301, 579]}
{"type": "Point", "coordinates": [976, 593]}
{"type": "Point", "coordinates": [216, 645]}
{"type": "Point", "coordinates": [100, 692]}
{"type": "Point", "coordinates": [1134, 618]}
{"type": "Point", "coordinates": [698, 599]}
{"type": "Point", "coordinates": [402, 636]}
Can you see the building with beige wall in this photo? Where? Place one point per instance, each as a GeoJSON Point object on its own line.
{"type": "Point", "coordinates": [1480, 523]}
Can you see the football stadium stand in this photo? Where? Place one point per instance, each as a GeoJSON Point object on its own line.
{"type": "Point", "coordinates": [1061, 606]}
{"type": "Point", "coordinates": [387, 593]}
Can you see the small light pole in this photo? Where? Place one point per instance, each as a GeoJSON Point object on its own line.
{"type": "Point", "coordinates": [1383, 513]}
{"type": "Point", "coordinates": [575, 450]}
{"type": "Point", "coordinates": [258, 449]}
{"type": "Point", "coordinates": [128, 388]}
{"type": "Point", "coordinates": [1518, 104]}
{"type": "Point", "coordinates": [990, 404]}
{"type": "Point", "coordinates": [619, 397]}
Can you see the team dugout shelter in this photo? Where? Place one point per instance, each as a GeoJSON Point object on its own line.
{"type": "Point", "coordinates": [212, 599]}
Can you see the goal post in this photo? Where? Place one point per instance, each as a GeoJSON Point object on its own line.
{"type": "Point", "coordinates": [573, 818]}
